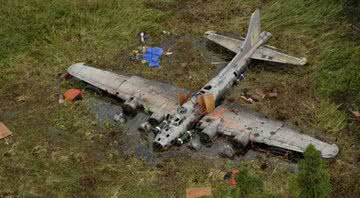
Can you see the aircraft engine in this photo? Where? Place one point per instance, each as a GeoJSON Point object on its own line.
{"type": "Point", "coordinates": [145, 127]}
{"type": "Point", "coordinates": [130, 106]}
{"type": "Point", "coordinates": [242, 139]}
{"type": "Point", "coordinates": [210, 131]}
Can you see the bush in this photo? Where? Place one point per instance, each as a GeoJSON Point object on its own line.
{"type": "Point", "coordinates": [247, 184]}
{"type": "Point", "coordinates": [312, 179]}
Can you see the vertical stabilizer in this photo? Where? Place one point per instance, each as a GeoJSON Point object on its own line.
{"type": "Point", "coordinates": [253, 34]}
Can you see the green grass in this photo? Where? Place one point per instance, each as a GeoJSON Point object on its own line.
{"type": "Point", "coordinates": [58, 150]}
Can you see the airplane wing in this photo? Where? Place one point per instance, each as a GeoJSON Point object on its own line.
{"type": "Point", "coordinates": [267, 53]}
{"type": "Point", "coordinates": [154, 96]}
{"type": "Point", "coordinates": [246, 124]}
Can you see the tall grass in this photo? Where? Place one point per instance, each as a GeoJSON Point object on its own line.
{"type": "Point", "coordinates": [334, 51]}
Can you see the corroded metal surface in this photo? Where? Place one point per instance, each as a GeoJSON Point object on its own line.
{"type": "Point", "coordinates": [155, 96]}
{"type": "Point", "coordinates": [238, 121]}
{"type": "Point", "coordinates": [265, 53]}
{"type": "Point", "coordinates": [182, 121]}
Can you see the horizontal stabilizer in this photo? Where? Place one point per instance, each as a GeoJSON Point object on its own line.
{"type": "Point", "coordinates": [266, 53]}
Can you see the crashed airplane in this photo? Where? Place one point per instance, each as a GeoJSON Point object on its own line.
{"type": "Point", "coordinates": [176, 118]}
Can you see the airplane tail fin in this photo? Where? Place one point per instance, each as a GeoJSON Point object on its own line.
{"type": "Point", "coordinates": [265, 53]}
{"type": "Point", "coordinates": [253, 34]}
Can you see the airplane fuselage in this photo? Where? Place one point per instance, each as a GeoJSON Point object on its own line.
{"type": "Point", "coordinates": [190, 113]}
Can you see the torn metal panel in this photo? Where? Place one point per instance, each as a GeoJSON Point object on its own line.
{"type": "Point", "coordinates": [260, 129]}
{"type": "Point", "coordinates": [266, 53]}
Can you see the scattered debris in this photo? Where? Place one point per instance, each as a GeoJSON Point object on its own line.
{"type": "Point", "coordinates": [219, 63]}
{"type": "Point", "coordinates": [272, 95]}
{"type": "Point", "coordinates": [356, 114]}
{"type": "Point", "coordinates": [255, 97]}
{"type": "Point", "coordinates": [119, 117]}
{"type": "Point", "coordinates": [22, 98]}
{"type": "Point", "coordinates": [4, 131]}
{"type": "Point", "coordinates": [64, 76]}
{"type": "Point", "coordinates": [258, 95]}
{"type": "Point", "coordinates": [247, 99]}
{"type": "Point", "coordinates": [166, 32]}
{"type": "Point", "coordinates": [198, 192]}
{"type": "Point", "coordinates": [143, 37]}
{"type": "Point", "coordinates": [136, 55]}
{"type": "Point", "coordinates": [228, 151]}
{"type": "Point", "coordinates": [260, 92]}
{"type": "Point", "coordinates": [152, 56]}
{"type": "Point", "coordinates": [61, 99]}
{"type": "Point", "coordinates": [229, 177]}
{"type": "Point", "coordinates": [169, 52]}
{"type": "Point", "coordinates": [195, 142]}
{"type": "Point", "coordinates": [73, 94]}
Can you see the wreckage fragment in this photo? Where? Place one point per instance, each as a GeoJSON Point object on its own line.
{"type": "Point", "coordinates": [73, 94]}
{"type": "Point", "coordinates": [198, 192]}
{"type": "Point", "coordinates": [4, 131]}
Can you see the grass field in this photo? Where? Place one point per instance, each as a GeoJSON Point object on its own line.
{"type": "Point", "coordinates": [60, 151]}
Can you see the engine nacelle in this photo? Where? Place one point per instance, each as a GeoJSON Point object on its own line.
{"type": "Point", "coordinates": [145, 127]}
{"type": "Point", "coordinates": [242, 140]}
{"type": "Point", "coordinates": [210, 131]}
{"type": "Point", "coordinates": [130, 106]}
{"type": "Point", "coordinates": [159, 115]}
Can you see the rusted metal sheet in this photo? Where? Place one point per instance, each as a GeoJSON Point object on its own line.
{"type": "Point", "coordinates": [238, 121]}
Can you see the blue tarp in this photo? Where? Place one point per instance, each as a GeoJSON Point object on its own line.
{"type": "Point", "coordinates": [152, 56]}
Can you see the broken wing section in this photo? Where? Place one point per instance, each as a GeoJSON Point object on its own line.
{"type": "Point", "coordinates": [245, 124]}
{"type": "Point", "coordinates": [101, 79]}
{"type": "Point", "coordinates": [266, 53]}
{"type": "Point", "coordinates": [157, 97]}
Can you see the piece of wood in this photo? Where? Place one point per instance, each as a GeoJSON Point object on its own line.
{"type": "Point", "coordinates": [209, 102]}
{"type": "Point", "coordinates": [201, 103]}
{"type": "Point", "coordinates": [182, 98]}
{"type": "Point", "coordinates": [198, 192]}
{"type": "Point", "coordinates": [4, 131]}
